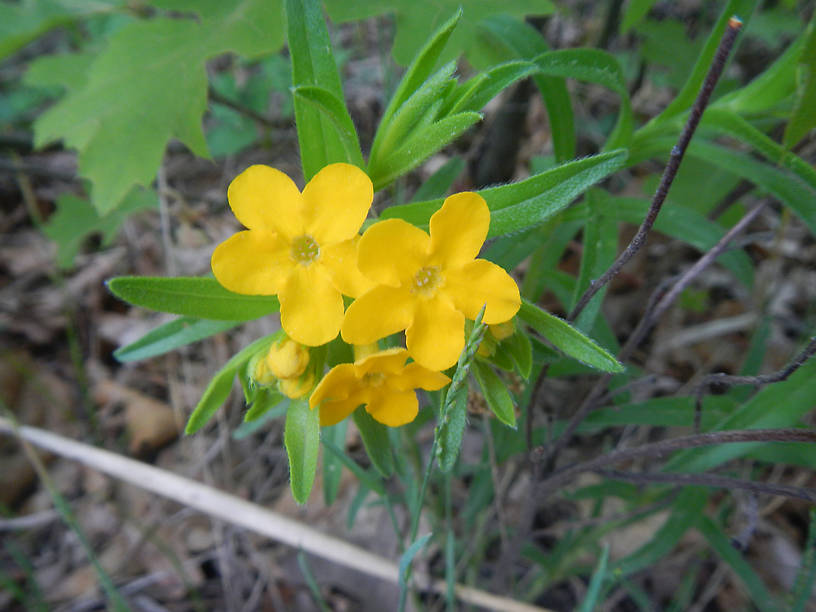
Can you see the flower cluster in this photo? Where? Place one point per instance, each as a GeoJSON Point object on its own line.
{"type": "Point", "coordinates": [305, 248]}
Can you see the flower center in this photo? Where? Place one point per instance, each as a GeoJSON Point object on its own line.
{"type": "Point", "coordinates": [373, 379]}
{"type": "Point", "coordinates": [427, 280]}
{"type": "Point", "coordinates": [305, 250]}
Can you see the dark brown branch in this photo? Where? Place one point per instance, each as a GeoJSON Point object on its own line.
{"type": "Point", "coordinates": [657, 305]}
{"type": "Point", "coordinates": [665, 447]}
{"type": "Point", "coordinates": [721, 379]}
{"type": "Point", "coordinates": [711, 480]}
{"type": "Point", "coordinates": [677, 153]}
{"type": "Point", "coordinates": [248, 112]}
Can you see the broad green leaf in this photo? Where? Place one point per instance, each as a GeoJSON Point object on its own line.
{"type": "Point", "coordinates": [686, 96]}
{"type": "Point", "coordinates": [595, 66]}
{"type": "Point", "coordinates": [420, 146]}
{"type": "Point", "coordinates": [636, 10]}
{"type": "Point", "coordinates": [147, 86]}
{"type": "Point", "coordinates": [376, 442]}
{"type": "Point", "coordinates": [313, 64]}
{"type": "Point", "coordinates": [220, 385]}
{"type": "Point", "coordinates": [22, 22]}
{"type": "Point", "coordinates": [75, 219]}
{"type": "Point", "coordinates": [440, 181]}
{"type": "Point", "coordinates": [503, 38]}
{"type": "Point", "coordinates": [530, 202]}
{"type": "Point", "coordinates": [803, 118]}
{"type": "Point", "coordinates": [568, 339]}
{"type": "Point", "coordinates": [170, 336]}
{"type": "Point", "coordinates": [67, 71]}
{"type": "Point", "coordinates": [337, 113]}
{"type": "Point", "coordinates": [415, 18]}
{"type": "Point", "coordinates": [495, 393]}
{"type": "Point", "coordinates": [301, 436]}
{"type": "Point", "coordinates": [332, 467]}
{"type": "Point", "coordinates": [202, 298]}
{"type": "Point", "coordinates": [751, 581]}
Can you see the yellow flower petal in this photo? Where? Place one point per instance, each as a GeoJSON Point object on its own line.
{"type": "Point", "coordinates": [265, 198]}
{"type": "Point", "coordinates": [414, 376]}
{"type": "Point", "coordinates": [311, 307]}
{"type": "Point", "coordinates": [393, 408]}
{"type": "Point", "coordinates": [459, 229]}
{"type": "Point", "coordinates": [338, 383]}
{"type": "Point", "coordinates": [482, 282]}
{"type": "Point", "coordinates": [341, 261]}
{"type": "Point", "coordinates": [296, 388]}
{"type": "Point", "coordinates": [392, 251]}
{"type": "Point", "coordinates": [336, 201]}
{"type": "Point", "coordinates": [437, 335]}
{"type": "Point", "coordinates": [332, 412]}
{"type": "Point", "coordinates": [378, 313]}
{"type": "Point", "coordinates": [252, 263]}
{"type": "Point", "coordinates": [389, 361]}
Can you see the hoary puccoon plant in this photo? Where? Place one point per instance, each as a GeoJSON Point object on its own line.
{"type": "Point", "coordinates": [382, 317]}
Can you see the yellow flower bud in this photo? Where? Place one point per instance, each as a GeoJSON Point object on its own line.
{"type": "Point", "coordinates": [296, 388]}
{"type": "Point", "coordinates": [261, 374]}
{"type": "Point", "coordinates": [501, 331]}
{"type": "Point", "coordinates": [287, 359]}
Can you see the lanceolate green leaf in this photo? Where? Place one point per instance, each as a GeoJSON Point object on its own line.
{"type": "Point", "coordinates": [313, 65]}
{"type": "Point", "coordinates": [487, 85]}
{"type": "Point", "coordinates": [685, 97]}
{"type": "Point", "coordinates": [332, 466]}
{"type": "Point", "coordinates": [495, 393]}
{"type": "Point", "coordinates": [220, 386]}
{"type": "Point", "coordinates": [568, 339]}
{"type": "Point", "coordinates": [528, 203]}
{"type": "Point", "coordinates": [337, 113]}
{"type": "Point", "coordinates": [803, 118]}
{"type": "Point", "coordinates": [420, 146]}
{"type": "Point", "coordinates": [301, 436]}
{"type": "Point", "coordinates": [595, 66]}
{"type": "Point", "coordinates": [801, 198]}
{"type": "Point", "coordinates": [503, 38]}
{"type": "Point", "coordinates": [421, 67]}
{"type": "Point", "coordinates": [175, 334]}
{"type": "Point", "coordinates": [376, 442]}
{"type": "Point", "coordinates": [202, 298]}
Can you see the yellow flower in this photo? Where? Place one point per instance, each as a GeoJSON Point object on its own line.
{"type": "Point", "coordinates": [298, 246]}
{"type": "Point", "coordinates": [382, 382]}
{"type": "Point", "coordinates": [427, 285]}
{"type": "Point", "coordinates": [297, 387]}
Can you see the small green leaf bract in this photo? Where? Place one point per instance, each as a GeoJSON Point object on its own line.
{"type": "Point", "coordinates": [220, 386]}
{"type": "Point", "coordinates": [495, 393]}
{"type": "Point", "coordinates": [196, 297]}
{"type": "Point", "coordinates": [302, 439]}
{"type": "Point", "coordinates": [376, 442]}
